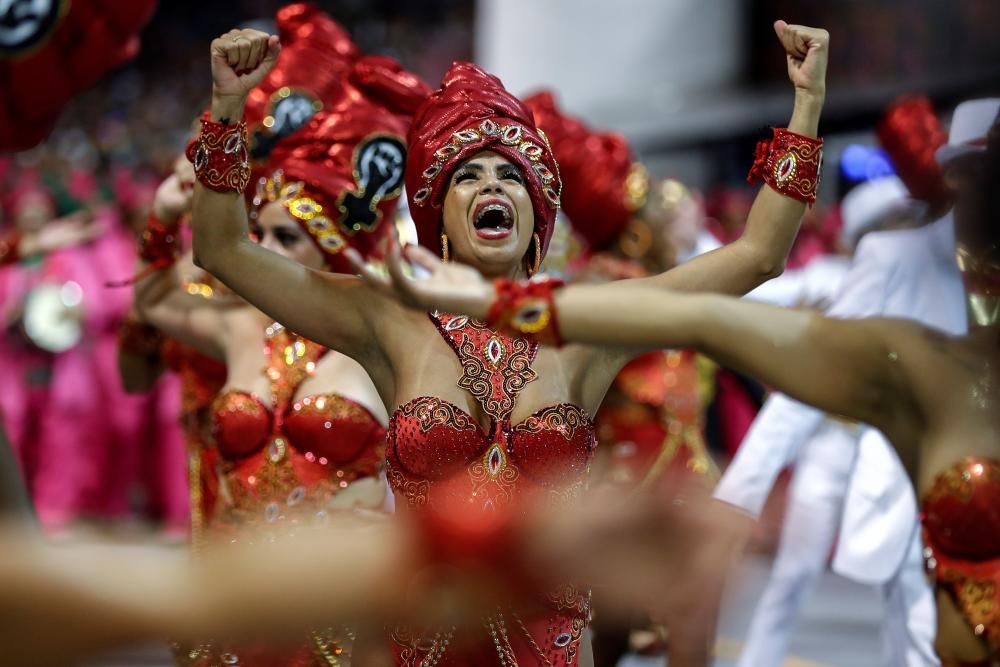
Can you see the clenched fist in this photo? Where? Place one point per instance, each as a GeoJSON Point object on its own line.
{"type": "Point", "coordinates": [240, 60]}
{"type": "Point", "coordinates": [806, 50]}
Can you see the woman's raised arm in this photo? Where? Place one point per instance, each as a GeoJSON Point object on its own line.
{"type": "Point", "coordinates": [160, 299]}
{"type": "Point", "coordinates": [334, 310]}
{"type": "Point", "coordinates": [760, 253]}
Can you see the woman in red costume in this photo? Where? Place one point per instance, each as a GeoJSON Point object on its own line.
{"type": "Point", "coordinates": [483, 189]}
{"type": "Point", "coordinates": [298, 430]}
{"type": "Point", "coordinates": [295, 432]}
{"type": "Point", "coordinates": [309, 77]}
{"type": "Point", "coordinates": [933, 396]}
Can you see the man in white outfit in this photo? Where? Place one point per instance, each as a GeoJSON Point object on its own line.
{"type": "Point", "coordinates": [882, 203]}
{"type": "Point", "coordinates": [847, 477]}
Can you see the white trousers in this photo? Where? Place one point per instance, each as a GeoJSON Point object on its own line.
{"type": "Point", "coordinates": [910, 613]}
{"type": "Point", "coordinates": [812, 520]}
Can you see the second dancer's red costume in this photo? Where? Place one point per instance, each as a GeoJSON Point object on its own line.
{"type": "Point", "coordinates": [651, 420]}
{"type": "Point", "coordinates": [282, 458]}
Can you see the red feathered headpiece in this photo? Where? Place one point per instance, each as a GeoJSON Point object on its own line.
{"type": "Point", "coordinates": [910, 133]}
{"type": "Point", "coordinates": [603, 194]}
{"type": "Point", "coordinates": [472, 112]}
{"type": "Point", "coordinates": [340, 176]}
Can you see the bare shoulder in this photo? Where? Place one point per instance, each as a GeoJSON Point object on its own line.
{"type": "Point", "coordinates": [368, 313]}
{"type": "Point", "coordinates": [925, 346]}
{"type": "Point", "coordinates": [927, 362]}
{"type": "Point", "coordinates": [904, 340]}
{"type": "Point", "coordinates": [402, 332]}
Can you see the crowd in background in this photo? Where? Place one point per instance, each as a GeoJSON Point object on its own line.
{"type": "Point", "coordinates": [116, 142]}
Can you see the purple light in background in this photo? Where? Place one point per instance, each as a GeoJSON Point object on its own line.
{"type": "Point", "coordinates": [863, 163]}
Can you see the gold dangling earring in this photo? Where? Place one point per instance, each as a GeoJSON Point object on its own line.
{"type": "Point", "coordinates": [533, 269]}
{"type": "Point", "coordinates": [445, 254]}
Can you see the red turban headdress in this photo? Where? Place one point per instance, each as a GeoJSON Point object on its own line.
{"type": "Point", "coordinates": [472, 112]}
{"type": "Point", "coordinates": [606, 185]}
{"type": "Point", "coordinates": [316, 55]}
{"type": "Point", "coordinates": [911, 133]}
{"type": "Point", "coordinates": [341, 174]}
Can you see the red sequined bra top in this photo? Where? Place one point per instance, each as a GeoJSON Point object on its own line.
{"type": "Point", "coordinates": [436, 449]}
{"type": "Point", "coordinates": [438, 455]}
{"type": "Point", "coordinates": [961, 521]}
{"type": "Point", "coordinates": [329, 431]}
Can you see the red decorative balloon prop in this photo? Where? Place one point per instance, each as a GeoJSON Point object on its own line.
{"type": "Point", "coordinates": [52, 50]}
{"type": "Point", "coordinates": [340, 176]}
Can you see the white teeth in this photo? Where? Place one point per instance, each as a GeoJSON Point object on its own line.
{"type": "Point", "coordinates": [494, 207]}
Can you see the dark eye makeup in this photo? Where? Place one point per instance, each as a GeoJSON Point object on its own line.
{"type": "Point", "coordinates": [511, 173]}
{"type": "Point", "coordinates": [286, 238]}
{"type": "Point", "coordinates": [464, 175]}
{"type": "Point", "coordinates": [504, 172]}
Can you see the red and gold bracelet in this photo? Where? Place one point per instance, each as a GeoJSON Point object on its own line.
{"type": "Point", "coordinates": [220, 156]}
{"type": "Point", "coordinates": [160, 243]}
{"type": "Point", "coordinates": [525, 309]}
{"type": "Point", "coordinates": [159, 247]}
{"type": "Point", "coordinates": [790, 163]}
{"type": "Point", "coordinates": [10, 247]}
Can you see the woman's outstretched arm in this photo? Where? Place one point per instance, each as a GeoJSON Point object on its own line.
{"type": "Point", "coordinates": [847, 367]}
{"type": "Point", "coordinates": [104, 596]}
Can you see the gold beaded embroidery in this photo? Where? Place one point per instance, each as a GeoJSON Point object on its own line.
{"type": "Point", "coordinates": [509, 135]}
{"type": "Point", "coordinates": [301, 206]}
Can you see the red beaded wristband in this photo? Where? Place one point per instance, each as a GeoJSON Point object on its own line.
{"type": "Point", "coordinates": [10, 247]}
{"type": "Point", "coordinates": [159, 244]}
{"type": "Point", "coordinates": [525, 309]}
{"type": "Point", "coordinates": [220, 157]}
{"type": "Point", "coordinates": [790, 163]}
{"type": "Point", "coordinates": [159, 247]}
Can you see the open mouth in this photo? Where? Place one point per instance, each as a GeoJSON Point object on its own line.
{"type": "Point", "coordinates": [493, 219]}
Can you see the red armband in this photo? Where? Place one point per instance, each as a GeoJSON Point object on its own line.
{"type": "Point", "coordinates": [160, 244]}
{"type": "Point", "coordinates": [790, 163]}
{"type": "Point", "coordinates": [159, 247]}
{"type": "Point", "coordinates": [525, 309]}
{"type": "Point", "coordinates": [220, 156]}
{"type": "Point", "coordinates": [10, 247]}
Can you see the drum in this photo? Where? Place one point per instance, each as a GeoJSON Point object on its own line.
{"type": "Point", "coordinates": [52, 317]}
